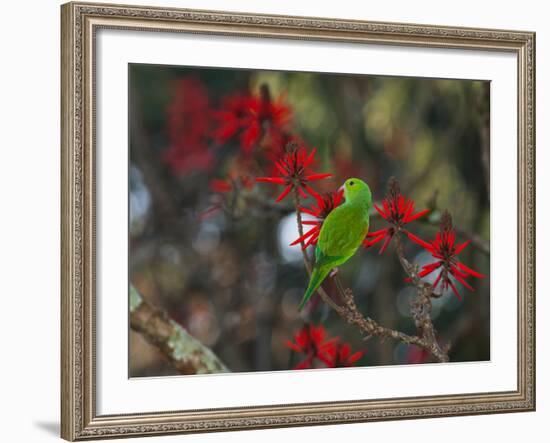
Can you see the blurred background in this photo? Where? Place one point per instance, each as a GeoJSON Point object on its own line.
{"type": "Point", "coordinates": [211, 247]}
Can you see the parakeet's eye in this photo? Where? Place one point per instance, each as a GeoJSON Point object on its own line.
{"type": "Point", "coordinates": [351, 183]}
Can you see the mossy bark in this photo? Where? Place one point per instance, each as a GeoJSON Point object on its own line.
{"type": "Point", "coordinates": [183, 351]}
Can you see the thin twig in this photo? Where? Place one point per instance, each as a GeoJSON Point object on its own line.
{"type": "Point", "coordinates": [421, 307]}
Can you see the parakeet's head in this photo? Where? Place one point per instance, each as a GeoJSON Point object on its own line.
{"type": "Point", "coordinates": [355, 188]}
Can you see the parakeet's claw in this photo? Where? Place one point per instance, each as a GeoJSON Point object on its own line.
{"type": "Point", "coordinates": [334, 272]}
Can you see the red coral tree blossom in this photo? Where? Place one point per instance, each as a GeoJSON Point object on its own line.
{"type": "Point", "coordinates": [220, 185]}
{"type": "Point", "coordinates": [294, 171]}
{"type": "Point", "coordinates": [343, 357]}
{"type": "Point", "coordinates": [230, 118]}
{"type": "Point", "coordinates": [416, 355]}
{"type": "Point", "coordinates": [251, 118]}
{"type": "Point", "coordinates": [397, 211]}
{"type": "Point", "coordinates": [312, 342]}
{"type": "Point", "coordinates": [234, 181]}
{"type": "Point", "coordinates": [189, 127]}
{"type": "Point", "coordinates": [325, 203]}
{"type": "Point", "coordinates": [444, 249]}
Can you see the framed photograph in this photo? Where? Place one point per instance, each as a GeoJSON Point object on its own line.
{"type": "Point", "coordinates": [281, 221]}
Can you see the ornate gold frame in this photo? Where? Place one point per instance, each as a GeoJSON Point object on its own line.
{"type": "Point", "coordinates": [80, 21]}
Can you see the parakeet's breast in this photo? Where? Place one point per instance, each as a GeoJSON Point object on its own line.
{"type": "Point", "coordinates": [344, 230]}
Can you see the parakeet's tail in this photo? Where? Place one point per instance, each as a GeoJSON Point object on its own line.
{"type": "Point", "coordinates": [317, 277]}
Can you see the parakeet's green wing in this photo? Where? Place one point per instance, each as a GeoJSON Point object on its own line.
{"type": "Point", "coordinates": [321, 259]}
{"type": "Point", "coordinates": [337, 243]}
{"type": "Point", "coordinates": [341, 234]}
{"type": "Point", "coordinates": [343, 231]}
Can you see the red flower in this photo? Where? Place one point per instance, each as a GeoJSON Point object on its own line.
{"type": "Point", "coordinates": [416, 355]}
{"type": "Point", "coordinates": [325, 204]}
{"type": "Point", "coordinates": [311, 341]}
{"type": "Point", "coordinates": [276, 145]}
{"type": "Point", "coordinates": [251, 118]}
{"type": "Point", "coordinates": [293, 168]}
{"type": "Point", "coordinates": [343, 358]}
{"type": "Point", "coordinates": [266, 117]}
{"type": "Point", "coordinates": [443, 248]}
{"type": "Point", "coordinates": [188, 127]}
{"type": "Point", "coordinates": [396, 210]}
{"type": "Point", "coordinates": [230, 119]}
{"type": "Point", "coordinates": [221, 186]}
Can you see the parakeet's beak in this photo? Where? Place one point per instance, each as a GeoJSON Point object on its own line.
{"type": "Point", "coordinates": [342, 190]}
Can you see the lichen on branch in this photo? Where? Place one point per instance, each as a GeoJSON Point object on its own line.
{"type": "Point", "coordinates": [183, 351]}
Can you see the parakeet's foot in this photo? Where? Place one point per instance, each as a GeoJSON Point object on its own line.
{"type": "Point", "coordinates": [334, 272]}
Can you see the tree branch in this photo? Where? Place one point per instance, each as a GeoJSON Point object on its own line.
{"type": "Point", "coordinates": [421, 307]}
{"type": "Point", "coordinates": [184, 352]}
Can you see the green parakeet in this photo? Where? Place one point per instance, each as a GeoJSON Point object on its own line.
{"type": "Point", "coordinates": [342, 233]}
